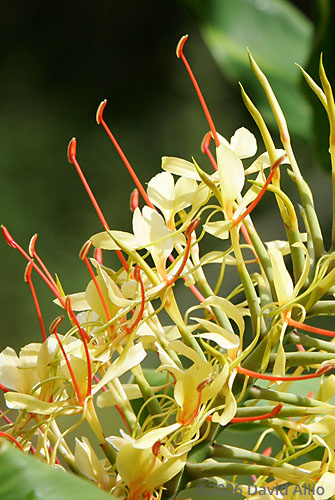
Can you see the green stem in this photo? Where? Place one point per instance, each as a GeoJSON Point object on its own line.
{"type": "Point", "coordinates": [249, 289]}
{"type": "Point", "coordinates": [307, 341]}
{"type": "Point", "coordinates": [232, 452]}
{"type": "Point", "coordinates": [255, 392]}
{"type": "Point", "coordinates": [302, 358]}
{"type": "Point", "coordinates": [194, 471]}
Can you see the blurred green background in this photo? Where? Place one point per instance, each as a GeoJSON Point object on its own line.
{"type": "Point", "coordinates": [60, 59]}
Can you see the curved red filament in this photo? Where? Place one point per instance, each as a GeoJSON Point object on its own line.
{"type": "Point", "coordinates": [181, 55]}
{"type": "Point", "coordinates": [274, 378]}
{"type": "Point", "coordinates": [72, 149]}
{"type": "Point", "coordinates": [205, 149]}
{"type": "Point", "coordinates": [4, 434]}
{"type": "Point", "coordinates": [53, 329]}
{"type": "Point", "coordinates": [100, 120]}
{"type": "Point", "coordinates": [261, 193]}
{"type": "Point", "coordinates": [309, 328]}
{"type": "Point", "coordinates": [27, 279]}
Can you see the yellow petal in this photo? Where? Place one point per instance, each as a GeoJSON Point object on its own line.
{"type": "Point", "coordinates": [180, 167]}
{"type": "Point", "coordinates": [231, 175]}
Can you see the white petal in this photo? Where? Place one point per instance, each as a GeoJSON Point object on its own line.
{"type": "Point", "coordinates": [161, 193]}
{"type": "Point", "coordinates": [243, 143]}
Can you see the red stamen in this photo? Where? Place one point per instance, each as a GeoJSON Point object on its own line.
{"type": "Point", "coordinates": [85, 338]}
{"type": "Point", "coordinates": [205, 149]}
{"type": "Point", "coordinates": [98, 255]}
{"type": "Point", "coordinates": [83, 256]}
{"type": "Point", "coordinates": [261, 193]}
{"type": "Point", "coordinates": [33, 254]}
{"type": "Point", "coordinates": [137, 276]}
{"type": "Point", "coordinates": [310, 394]}
{"type": "Point", "coordinates": [134, 200]}
{"type": "Point", "coordinates": [275, 378]}
{"type": "Point", "coordinates": [188, 233]}
{"type": "Point", "coordinates": [273, 413]}
{"type": "Point", "coordinates": [180, 54]}
{"type": "Point", "coordinates": [27, 279]}
{"type": "Point", "coordinates": [308, 328]}
{"type": "Point", "coordinates": [4, 434]}
{"type": "Point", "coordinates": [267, 452]}
{"type": "Point", "coordinates": [130, 169]}
{"type": "Point", "coordinates": [155, 448]}
{"type": "Point", "coordinates": [4, 389]}
{"type": "Point", "coordinates": [15, 245]}
{"type": "Point", "coordinates": [72, 149]}
{"type": "Point", "coordinates": [53, 329]}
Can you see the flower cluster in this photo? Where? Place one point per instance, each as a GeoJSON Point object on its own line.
{"type": "Point", "coordinates": [208, 360]}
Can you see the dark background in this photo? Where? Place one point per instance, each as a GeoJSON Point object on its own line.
{"type": "Point", "coordinates": [58, 60]}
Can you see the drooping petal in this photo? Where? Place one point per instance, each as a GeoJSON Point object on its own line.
{"type": "Point", "coordinates": [180, 167]}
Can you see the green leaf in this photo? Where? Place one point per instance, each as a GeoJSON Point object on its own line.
{"type": "Point", "coordinates": [25, 478]}
{"type": "Point", "coordinates": [277, 34]}
{"type": "Point", "coordinates": [323, 43]}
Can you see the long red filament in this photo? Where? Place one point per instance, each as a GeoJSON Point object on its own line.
{"type": "Point", "coordinates": [34, 255]}
{"type": "Point", "coordinates": [271, 414]}
{"type": "Point", "coordinates": [309, 328]}
{"type": "Point", "coordinates": [27, 278]}
{"type": "Point", "coordinates": [274, 378]}
{"type": "Point", "coordinates": [53, 329]}
{"type": "Point", "coordinates": [194, 224]}
{"type": "Point", "coordinates": [72, 150]}
{"type": "Point", "coordinates": [261, 193]}
{"type": "Point", "coordinates": [181, 55]}
{"type": "Point", "coordinates": [100, 120]}
{"type": "Point", "coordinates": [84, 337]}
{"type": "Point", "coordinates": [11, 242]}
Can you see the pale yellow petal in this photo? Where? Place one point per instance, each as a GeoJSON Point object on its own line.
{"type": "Point", "coordinates": [180, 167]}
{"type": "Point", "coordinates": [243, 143]}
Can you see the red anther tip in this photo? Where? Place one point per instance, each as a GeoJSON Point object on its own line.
{"type": "Point", "coordinates": [72, 150]}
{"type": "Point", "coordinates": [68, 306]}
{"type": "Point", "coordinates": [205, 142]}
{"type": "Point", "coordinates": [55, 324]}
{"type": "Point", "coordinates": [267, 452]}
{"type": "Point", "coordinates": [180, 45]}
{"type": "Point", "coordinates": [155, 448]}
{"type": "Point", "coordinates": [192, 227]}
{"type": "Point", "coordinates": [32, 244]}
{"type": "Point", "coordinates": [98, 255]}
{"type": "Point", "coordinates": [134, 199]}
{"type": "Point", "coordinates": [27, 272]}
{"type": "Point", "coordinates": [85, 249]}
{"type": "Point", "coordinates": [8, 237]}
{"type": "Point", "coordinates": [100, 111]}
{"type": "Point", "coordinates": [137, 273]}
